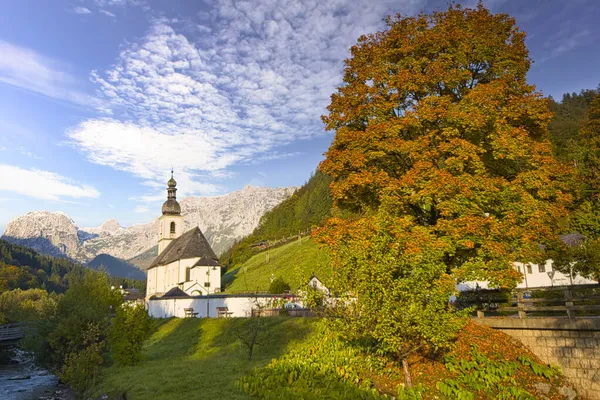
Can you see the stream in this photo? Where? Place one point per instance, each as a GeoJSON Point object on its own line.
{"type": "Point", "coordinates": [23, 380]}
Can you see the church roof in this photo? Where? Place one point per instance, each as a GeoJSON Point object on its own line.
{"type": "Point", "coordinates": [175, 292]}
{"type": "Point", "coordinates": [206, 261]}
{"type": "Point", "coordinates": [191, 244]}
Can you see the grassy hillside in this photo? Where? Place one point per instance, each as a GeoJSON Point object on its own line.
{"type": "Point", "coordinates": [309, 206]}
{"type": "Point", "coordinates": [294, 262]}
{"type": "Point", "coordinates": [200, 359]}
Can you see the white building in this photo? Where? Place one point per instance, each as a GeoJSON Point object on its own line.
{"type": "Point", "coordinates": [541, 275]}
{"type": "Point", "coordinates": [184, 260]}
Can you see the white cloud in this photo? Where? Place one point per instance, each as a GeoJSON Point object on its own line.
{"type": "Point", "coordinates": [121, 3]}
{"type": "Point", "coordinates": [29, 154]}
{"type": "Point", "coordinates": [107, 13]}
{"type": "Point", "coordinates": [42, 184]}
{"type": "Point", "coordinates": [141, 209]}
{"type": "Point", "coordinates": [25, 69]}
{"type": "Point", "coordinates": [246, 78]}
{"type": "Point", "coordinates": [81, 10]}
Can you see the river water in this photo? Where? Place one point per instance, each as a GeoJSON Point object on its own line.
{"type": "Point", "coordinates": [22, 380]}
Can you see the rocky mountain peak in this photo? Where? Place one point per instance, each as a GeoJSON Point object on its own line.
{"type": "Point", "coordinates": [109, 227]}
{"type": "Point", "coordinates": [222, 219]}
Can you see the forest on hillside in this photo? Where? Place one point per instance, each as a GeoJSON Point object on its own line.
{"type": "Point", "coordinates": [23, 268]}
{"type": "Point", "coordinates": [308, 207]}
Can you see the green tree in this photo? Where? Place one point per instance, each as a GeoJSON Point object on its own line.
{"type": "Point", "coordinates": [278, 286]}
{"type": "Point", "coordinates": [441, 152]}
{"type": "Point", "coordinates": [584, 258]}
{"type": "Point", "coordinates": [129, 329]}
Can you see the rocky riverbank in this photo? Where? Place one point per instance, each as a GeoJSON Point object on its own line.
{"type": "Point", "coordinates": [21, 379]}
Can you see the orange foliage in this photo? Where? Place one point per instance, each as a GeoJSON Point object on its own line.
{"type": "Point", "coordinates": [436, 123]}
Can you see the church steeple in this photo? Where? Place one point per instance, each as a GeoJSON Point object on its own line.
{"type": "Point", "coordinates": [171, 206]}
{"type": "Point", "coordinates": [171, 221]}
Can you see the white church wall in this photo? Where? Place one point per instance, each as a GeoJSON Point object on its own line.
{"type": "Point", "coordinates": [239, 306]}
{"type": "Point", "coordinates": [201, 275]}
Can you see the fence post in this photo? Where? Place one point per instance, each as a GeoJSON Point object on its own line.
{"type": "Point", "coordinates": [521, 306]}
{"type": "Point", "coordinates": [568, 302]}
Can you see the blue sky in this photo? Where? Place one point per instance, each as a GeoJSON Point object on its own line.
{"type": "Point", "coordinates": [99, 98]}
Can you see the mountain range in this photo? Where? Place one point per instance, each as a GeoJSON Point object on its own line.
{"type": "Point", "coordinates": [223, 220]}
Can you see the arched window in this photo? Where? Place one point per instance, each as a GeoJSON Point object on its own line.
{"type": "Point", "coordinates": [172, 228]}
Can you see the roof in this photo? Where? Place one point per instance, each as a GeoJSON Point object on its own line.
{"type": "Point", "coordinates": [573, 239]}
{"type": "Point", "coordinates": [174, 292]}
{"type": "Point", "coordinates": [205, 261]}
{"type": "Point", "coordinates": [191, 244]}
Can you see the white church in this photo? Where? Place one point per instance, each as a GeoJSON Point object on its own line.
{"type": "Point", "coordinates": [186, 262]}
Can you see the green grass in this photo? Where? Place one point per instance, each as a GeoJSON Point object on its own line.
{"type": "Point", "coordinates": [201, 359]}
{"type": "Point", "coordinates": [294, 262]}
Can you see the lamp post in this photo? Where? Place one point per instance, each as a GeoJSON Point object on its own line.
{"type": "Point", "coordinates": [208, 291]}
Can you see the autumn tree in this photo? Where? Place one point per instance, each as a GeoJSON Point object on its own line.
{"type": "Point", "coordinates": [441, 156]}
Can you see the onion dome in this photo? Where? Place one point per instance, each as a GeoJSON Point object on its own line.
{"type": "Point", "coordinates": [171, 206]}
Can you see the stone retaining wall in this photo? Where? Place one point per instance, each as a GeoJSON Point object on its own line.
{"type": "Point", "coordinates": [573, 345]}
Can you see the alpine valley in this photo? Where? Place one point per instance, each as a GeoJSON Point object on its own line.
{"type": "Point", "coordinates": [223, 219]}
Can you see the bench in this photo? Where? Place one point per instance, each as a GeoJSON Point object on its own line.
{"type": "Point", "coordinates": [189, 312]}
{"type": "Point", "coordinates": [223, 312]}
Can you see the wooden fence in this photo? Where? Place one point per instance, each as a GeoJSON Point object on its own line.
{"type": "Point", "coordinates": [570, 301]}
{"type": "Point", "coordinates": [291, 312]}
{"type": "Point", "coordinates": [11, 332]}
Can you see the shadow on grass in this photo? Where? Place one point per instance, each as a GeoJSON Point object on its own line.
{"type": "Point", "coordinates": [201, 359]}
{"type": "Point", "coordinates": [228, 278]}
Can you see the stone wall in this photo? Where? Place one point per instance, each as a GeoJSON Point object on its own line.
{"type": "Point", "coordinates": [572, 344]}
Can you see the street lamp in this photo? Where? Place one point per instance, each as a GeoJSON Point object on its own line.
{"type": "Point", "coordinates": [208, 291]}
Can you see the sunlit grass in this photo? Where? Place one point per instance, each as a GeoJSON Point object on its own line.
{"type": "Point", "coordinates": [200, 359]}
{"type": "Point", "coordinates": [295, 262]}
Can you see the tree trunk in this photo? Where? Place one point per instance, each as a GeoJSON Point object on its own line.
{"type": "Point", "coordinates": [406, 373]}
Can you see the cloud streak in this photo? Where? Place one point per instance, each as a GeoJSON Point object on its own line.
{"type": "Point", "coordinates": [25, 69]}
{"type": "Point", "coordinates": [42, 184]}
{"type": "Point", "coordinates": [81, 10]}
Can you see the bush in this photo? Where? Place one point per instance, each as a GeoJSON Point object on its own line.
{"type": "Point", "coordinates": [279, 286]}
{"type": "Point", "coordinates": [81, 368]}
{"type": "Point", "coordinates": [130, 327]}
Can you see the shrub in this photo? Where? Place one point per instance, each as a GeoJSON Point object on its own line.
{"type": "Point", "coordinates": [279, 286]}
{"type": "Point", "coordinates": [130, 327]}
{"type": "Point", "coordinates": [81, 367]}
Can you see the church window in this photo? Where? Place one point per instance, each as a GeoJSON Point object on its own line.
{"type": "Point", "coordinates": [206, 284]}
{"type": "Point", "coordinates": [172, 228]}
{"type": "Point", "coordinates": [542, 268]}
{"type": "Point", "coordinates": [187, 274]}
{"type": "Point", "coordinates": [529, 270]}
